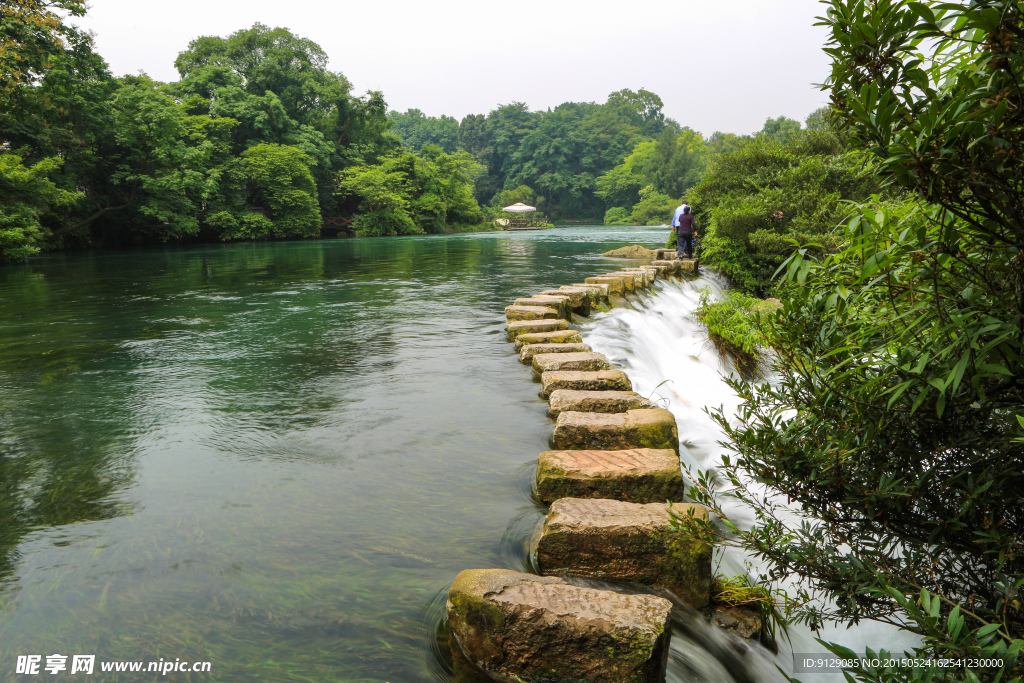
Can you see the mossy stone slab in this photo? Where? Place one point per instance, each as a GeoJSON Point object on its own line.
{"type": "Point", "coordinates": [648, 274]}
{"type": "Point", "coordinates": [579, 300]}
{"type": "Point", "coordinates": [527, 353]}
{"type": "Point", "coordinates": [615, 284]}
{"type": "Point", "coordinates": [563, 400]}
{"type": "Point", "coordinates": [592, 293]}
{"type": "Point", "coordinates": [602, 288]}
{"type": "Point", "coordinates": [600, 380]}
{"type": "Point", "coordinates": [530, 313]}
{"type": "Point", "coordinates": [521, 627]}
{"type": "Point", "coordinates": [637, 475]}
{"type": "Point", "coordinates": [611, 539]}
{"type": "Point", "coordinates": [559, 336]}
{"type": "Point", "coordinates": [516, 328]}
{"type": "Point", "coordinates": [586, 360]}
{"type": "Point", "coordinates": [671, 265]}
{"type": "Point", "coordinates": [559, 303]}
{"type": "Point", "coordinates": [644, 428]}
{"type": "Point", "coordinates": [639, 279]}
{"type": "Point", "coordinates": [628, 280]}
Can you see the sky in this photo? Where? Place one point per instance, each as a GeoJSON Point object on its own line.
{"type": "Point", "coordinates": [718, 65]}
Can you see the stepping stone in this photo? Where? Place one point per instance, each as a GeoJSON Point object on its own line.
{"type": "Point", "coordinates": [579, 299]}
{"type": "Point", "coordinates": [611, 539]}
{"type": "Point", "coordinates": [689, 265]}
{"type": "Point", "coordinates": [628, 280]}
{"type": "Point", "coordinates": [671, 266]}
{"type": "Point", "coordinates": [665, 254]}
{"type": "Point", "coordinates": [563, 400]}
{"type": "Point", "coordinates": [638, 475]}
{"type": "Point", "coordinates": [530, 313]}
{"type": "Point", "coordinates": [517, 328]}
{"type": "Point", "coordinates": [528, 352]}
{"type": "Point", "coordinates": [560, 336]}
{"type": "Point", "coordinates": [645, 428]}
{"type": "Point", "coordinates": [601, 380]}
{"type": "Point", "coordinates": [593, 293]}
{"type": "Point", "coordinates": [650, 270]}
{"type": "Point", "coordinates": [543, 362]}
{"type": "Point", "coordinates": [648, 274]}
{"type": "Point", "coordinates": [615, 284]}
{"type": "Point", "coordinates": [603, 288]}
{"type": "Point", "coordinates": [540, 628]}
{"type": "Point", "coordinates": [559, 303]}
{"type": "Point", "coordinates": [639, 280]}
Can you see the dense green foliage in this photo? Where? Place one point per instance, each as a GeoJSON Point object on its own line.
{"type": "Point", "coordinates": [732, 326]}
{"type": "Point", "coordinates": [406, 193]}
{"type": "Point", "coordinates": [415, 130]}
{"type": "Point", "coordinates": [896, 417]}
{"type": "Point", "coordinates": [244, 146]}
{"type": "Point", "coordinates": [28, 193]}
{"type": "Point", "coordinates": [560, 153]}
{"type": "Point", "coordinates": [757, 203]}
{"type": "Point", "coordinates": [260, 140]}
{"type": "Point", "coordinates": [646, 187]}
{"type": "Point", "coordinates": [31, 33]}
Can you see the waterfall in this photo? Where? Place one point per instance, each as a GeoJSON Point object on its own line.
{"type": "Point", "coordinates": [668, 357]}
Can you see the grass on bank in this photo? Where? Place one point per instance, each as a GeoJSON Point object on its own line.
{"type": "Point", "coordinates": [732, 324]}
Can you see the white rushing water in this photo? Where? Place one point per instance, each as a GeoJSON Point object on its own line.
{"type": "Point", "coordinates": [667, 355]}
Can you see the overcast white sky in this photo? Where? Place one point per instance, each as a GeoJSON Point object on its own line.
{"type": "Point", "coordinates": [718, 65]}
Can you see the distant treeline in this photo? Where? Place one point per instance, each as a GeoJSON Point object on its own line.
{"type": "Point", "coordinates": [260, 140]}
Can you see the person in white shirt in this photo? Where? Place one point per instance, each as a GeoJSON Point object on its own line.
{"type": "Point", "coordinates": [678, 213]}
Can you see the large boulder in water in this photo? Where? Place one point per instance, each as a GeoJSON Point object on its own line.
{"type": "Point", "coordinates": [611, 539]}
{"type": "Point", "coordinates": [522, 627]}
{"type": "Point", "coordinates": [632, 251]}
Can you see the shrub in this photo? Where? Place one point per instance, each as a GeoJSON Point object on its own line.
{"type": "Point", "coordinates": [733, 326]}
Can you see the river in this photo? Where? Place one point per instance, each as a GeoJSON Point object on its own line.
{"type": "Point", "coordinates": [276, 457]}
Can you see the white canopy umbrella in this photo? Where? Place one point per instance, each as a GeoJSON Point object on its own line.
{"type": "Point", "coordinates": [519, 207]}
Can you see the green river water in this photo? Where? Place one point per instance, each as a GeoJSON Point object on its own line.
{"type": "Point", "coordinates": [272, 457]}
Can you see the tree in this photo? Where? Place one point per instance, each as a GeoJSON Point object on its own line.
{"type": "Point", "coordinates": [280, 184]}
{"type": "Point", "coordinates": [523, 194]}
{"type": "Point", "coordinates": [677, 162]}
{"type": "Point", "coordinates": [642, 107]}
{"type": "Point", "coordinates": [896, 420]}
{"type": "Point", "coordinates": [25, 195]}
{"type": "Point", "coordinates": [409, 194]}
{"type": "Point", "coordinates": [781, 129]}
{"type": "Point", "coordinates": [67, 115]}
{"type": "Point", "coordinates": [721, 143]}
{"type": "Point", "coordinates": [415, 129]}
{"type": "Point", "coordinates": [760, 201]}
{"type": "Point", "coordinates": [32, 33]}
{"type": "Point", "coordinates": [273, 60]}
{"type": "Point", "coordinates": [654, 208]}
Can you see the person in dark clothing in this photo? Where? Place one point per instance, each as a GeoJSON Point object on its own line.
{"type": "Point", "coordinates": [685, 234]}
